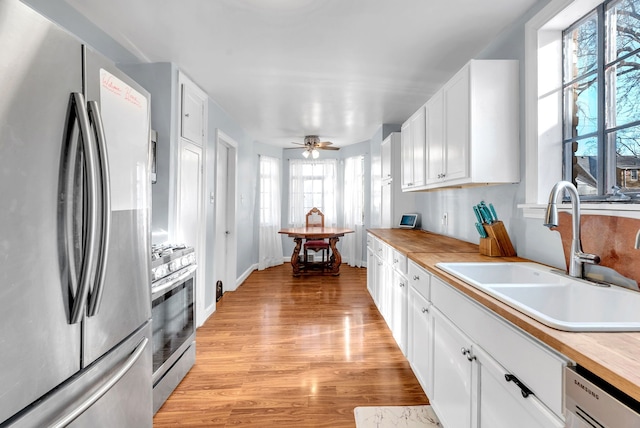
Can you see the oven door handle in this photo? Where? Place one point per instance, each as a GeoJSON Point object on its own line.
{"type": "Point", "coordinates": [173, 283]}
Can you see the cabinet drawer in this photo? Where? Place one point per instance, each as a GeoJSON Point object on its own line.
{"type": "Point", "coordinates": [381, 249]}
{"type": "Point", "coordinates": [537, 366]}
{"type": "Point", "coordinates": [399, 261]}
{"type": "Point", "coordinates": [419, 279]}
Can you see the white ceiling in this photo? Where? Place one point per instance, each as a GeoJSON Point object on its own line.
{"type": "Point", "coordinates": [283, 69]}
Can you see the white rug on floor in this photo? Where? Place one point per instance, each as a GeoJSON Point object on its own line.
{"type": "Point", "coordinates": [396, 417]}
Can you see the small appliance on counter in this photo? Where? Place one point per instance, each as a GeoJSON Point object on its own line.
{"type": "Point", "coordinates": [173, 269]}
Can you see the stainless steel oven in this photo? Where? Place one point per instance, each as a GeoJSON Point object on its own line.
{"type": "Point", "coordinates": [172, 318]}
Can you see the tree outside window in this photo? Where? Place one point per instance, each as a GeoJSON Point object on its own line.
{"type": "Point", "coordinates": [601, 112]}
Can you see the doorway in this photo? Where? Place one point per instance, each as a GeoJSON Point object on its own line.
{"type": "Point", "coordinates": [225, 252]}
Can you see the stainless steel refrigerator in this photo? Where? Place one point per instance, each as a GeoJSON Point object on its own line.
{"type": "Point", "coordinates": [75, 305]}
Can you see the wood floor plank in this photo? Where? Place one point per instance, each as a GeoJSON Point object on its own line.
{"type": "Point", "coordinates": [292, 352]}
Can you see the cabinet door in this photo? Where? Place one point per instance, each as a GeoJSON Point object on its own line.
{"type": "Point", "coordinates": [456, 126]}
{"type": "Point", "coordinates": [386, 204]}
{"type": "Point", "coordinates": [420, 340]}
{"type": "Point", "coordinates": [398, 312]}
{"type": "Point", "coordinates": [452, 373]}
{"type": "Point", "coordinates": [501, 402]}
{"type": "Point", "coordinates": [385, 155]}
{"type": "Point", "coordinates": [418, 126]}
{"type": "Point", "coordinates": [371, 272]}
{"type": "Point", "coordinates": [435, 149]}
{"type": "Point", "coordinates": [192, 120]}
{"type": "Point", "coordinates": [406, 150]}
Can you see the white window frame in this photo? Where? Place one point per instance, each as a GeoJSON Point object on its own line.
{"type": "Point", "coordinates": [543, 108]}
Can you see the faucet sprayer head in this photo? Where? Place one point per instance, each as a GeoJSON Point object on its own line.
{"type": "Point", "coordinates": [551, 215]}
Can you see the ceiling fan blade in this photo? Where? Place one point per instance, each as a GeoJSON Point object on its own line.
{"type": "Point", "coordinates": [324, 143]}
{"type": "Point", "coordinates": [328, 148]}
{"type": "Point", "coordinates": [293, 148]}
{"type": "Point", "coordinates": [298, 144]}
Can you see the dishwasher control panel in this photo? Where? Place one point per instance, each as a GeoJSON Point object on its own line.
{"type": "Point", "coordinates": [591, 400]}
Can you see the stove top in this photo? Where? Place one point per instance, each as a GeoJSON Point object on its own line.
{"type": "Point", "coordinates": [169, 258]}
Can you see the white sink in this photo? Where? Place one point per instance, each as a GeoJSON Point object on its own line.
{"type": "Point", "coordinates": [554, 299]}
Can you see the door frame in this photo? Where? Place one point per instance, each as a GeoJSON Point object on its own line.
{"type": "Point", "coordinates": [229, 278]}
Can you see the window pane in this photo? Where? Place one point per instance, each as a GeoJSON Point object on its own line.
{"type": "Point", "coordinates": [584, 165]}
{"type": "Point", "coordinates": [623, 87]}
{"type": "Point", "coordinates": [622, 24]}
{"type": "Point", "coordinates": [581, 49]}
{"type": "Point", "coordinates": [627, 143]}
{"type": "Point", "coordinates": [581, 108]}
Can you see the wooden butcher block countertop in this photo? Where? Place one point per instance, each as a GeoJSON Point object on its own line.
{"type": "Point", "coordinates": [615, 357]}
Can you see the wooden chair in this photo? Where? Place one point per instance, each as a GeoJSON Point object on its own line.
{"type": "Point", "coordinates": [315, 218]}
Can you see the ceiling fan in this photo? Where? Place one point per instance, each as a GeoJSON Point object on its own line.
{"type": "Point", "coordinates": [312, 144]}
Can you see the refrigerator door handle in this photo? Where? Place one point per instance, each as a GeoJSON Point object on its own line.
{"type": "Point", "coordinates": [95, 119]}
{"type": "Point", "coordinates": [78, 114]}
{"type": "Point", "coordinates": [104, 388]}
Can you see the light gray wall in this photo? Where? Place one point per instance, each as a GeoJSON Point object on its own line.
{"type": "Point", "coordinates": [530, 238]}
{"type": "Point", "coordinates": [161, 80]}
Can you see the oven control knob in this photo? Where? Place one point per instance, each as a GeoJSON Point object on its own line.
{"type": "Point", "coordinates": [174, 265]}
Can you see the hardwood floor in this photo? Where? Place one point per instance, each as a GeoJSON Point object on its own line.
{"type": "Point", "coordinates": [292, 352]}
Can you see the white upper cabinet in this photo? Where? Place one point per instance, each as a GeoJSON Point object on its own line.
{"type": "Point", "coordinates": [413, 150]}
{"type": "Point", "coordinates": [394, 202]}
{"type": "Point", "coordinates": [472, 127]}
{"type": "Point", "coordinates": [192, 115]}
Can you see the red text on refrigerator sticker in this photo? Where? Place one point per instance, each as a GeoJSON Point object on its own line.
{"type": "Point", "coordinates": [108, 82]}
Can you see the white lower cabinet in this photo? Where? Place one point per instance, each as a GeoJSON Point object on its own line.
{"type": "Point", "coordinates": [454, 377]}
{"type": "Point", "coordinates": [420, 340]}
{"type": "Point", "coordinates": [387, 282]}
{"type": "Point", "coordinates": [371, 271]}
{"type": "Point", "coordinates": [488, 374]}
{"type": "Point", "coordinates": [398, 310]}
{"type": "Point", "coordinates": [503, 402]}
{"type": "Point", "coordinates": [420, 328]}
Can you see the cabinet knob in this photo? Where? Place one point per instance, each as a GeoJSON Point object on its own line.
{"type": "Point", "coordinates": [467, 352]}
{"type": "Point", "coordinates": [416, 277]}
{"type": "Point", "coordinates": [186, 115]}
{"type": "Point", "coordinates": [395, 260]}
{"type": "Point", "coordinates": [402, 284]}
{"type": "Point", "coordinates": [425, 310]}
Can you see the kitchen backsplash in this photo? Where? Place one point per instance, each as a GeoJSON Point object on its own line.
{"type": "Point", "coordinates": [611, 238]}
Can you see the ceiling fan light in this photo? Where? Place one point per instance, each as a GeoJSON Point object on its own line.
{"type": "Point", "coordinates": [305, 154]}
{"type": "Point", "coordinates": [315, 153]}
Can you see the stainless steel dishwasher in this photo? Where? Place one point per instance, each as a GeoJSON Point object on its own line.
{"type": "Point", "coordinates": [591, 402]}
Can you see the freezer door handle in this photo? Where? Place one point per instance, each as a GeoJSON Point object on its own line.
{"type": "Point", "coordinates": [104, 388]}
{"type": "Point", "coordinates": [77, 114]}
{"type": "Point", "coordinates": [95, 119]}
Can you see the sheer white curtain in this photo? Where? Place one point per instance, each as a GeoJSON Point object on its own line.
{"type": "Point", "coordinates": [353, 210]}
{"type": "Point", "coordinates": [312, 183]}
{"type": "Point", "coordinates": [270, 241]}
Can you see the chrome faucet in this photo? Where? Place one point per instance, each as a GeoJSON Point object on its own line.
{"type": "Point", "coordinates": [577, 257]}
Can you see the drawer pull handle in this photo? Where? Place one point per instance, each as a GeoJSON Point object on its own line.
{"type": "Point", "coordinates": [523, 388]}
{"type": "Point", "coordinates": [425, 310]}
{"type": "Point", "coordinates": [416, 277]}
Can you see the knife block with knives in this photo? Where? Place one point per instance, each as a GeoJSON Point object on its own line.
{"type": "Point", "coordinates": [494, 239]}
{"type": "Point", "coordinates": [497, 242]}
